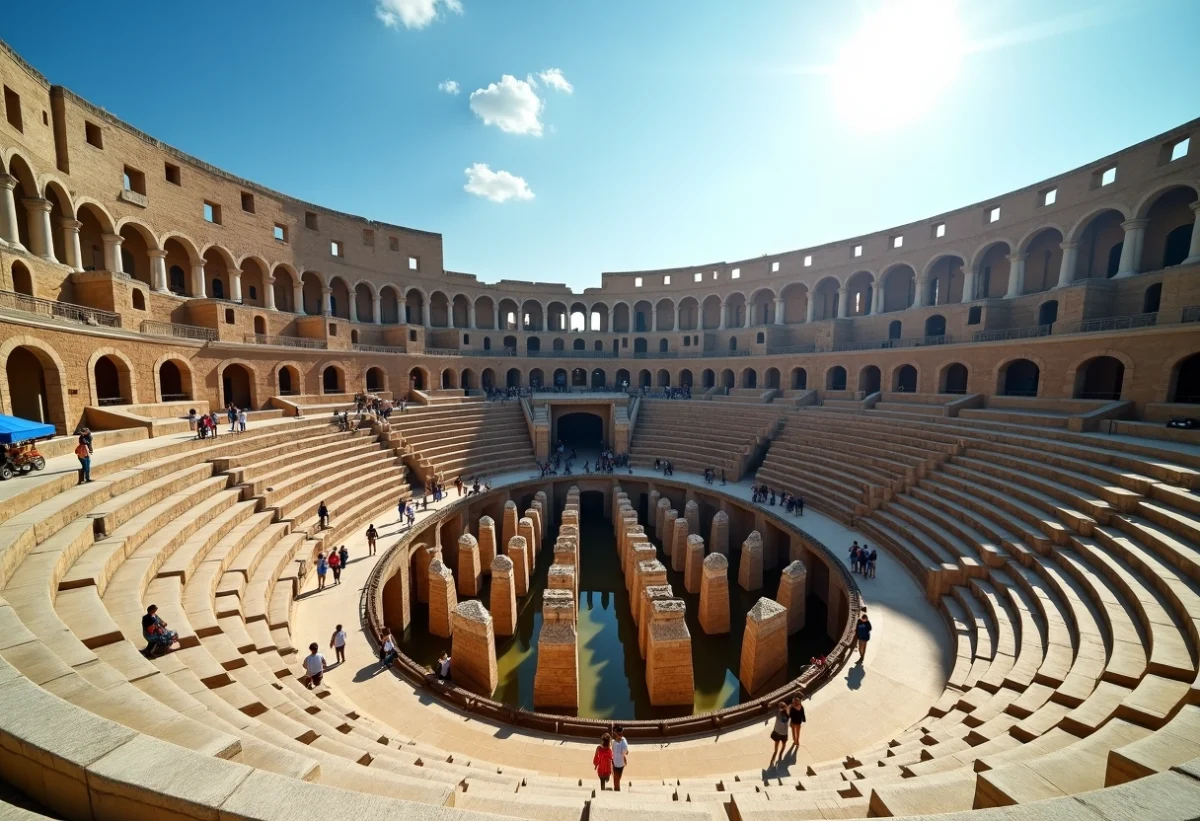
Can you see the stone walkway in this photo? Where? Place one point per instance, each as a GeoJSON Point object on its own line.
{"type": "Point", "coordinates": [905, 672]}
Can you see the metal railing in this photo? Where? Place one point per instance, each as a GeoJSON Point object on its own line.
{"type": "Point", "coordinates": [149, 326]}
{"type": "Point", "coordinates": [1191, 314]}
{"type": "Point", "coordinates": [58, 310]}
{"type": "Point", "coordinates": [574, 354]}
{"type": "Point", "coordinates": [1012, 333]}
{"type": "Point", "coordinates": [1117, 323]}
{"type": "Point", "coordinates": [285, 341]}
{"type": "Point", "coordinates": [357, 346]}
{"type": "Point", "coordinates": [786, 349]}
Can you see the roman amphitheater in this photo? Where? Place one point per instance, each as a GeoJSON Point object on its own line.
{"type": "Point", "coordinates": [981, 396]}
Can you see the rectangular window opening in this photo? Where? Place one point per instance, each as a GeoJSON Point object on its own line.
{"type": "Point", "coordinates": [774, 267]}
{"type": "Point", "coordinates": [173, 174]}
{"type": "Point", "coordinates": [134, 180]}
{"type": "Point", "coordinates": [393, 243]}
{"type": "Point", "coordinates": [736, 273]}
{"type": "Point", "coordinates": [12, 108]}
{"type": "Point", "coordinates": [667, 279]}
{"type": "Point", "coordinates": [335, 247]}
{"type": "Point", "coordinates": [1179, 149]}
{"type": "Point", "coordinates": [247, 202]}
{"type": "Point", "coordinates": [310, 221]}
{"type": "Point", "coordinates": [93, 134]}
{"type": "Point", "coordinates": [414, 264]}
{"type": "Point", "coordinates": [1049, 196]}
{"type": "Point", "coordinates": [808, 260]}
{"type": "Point", "coordinates": [857, 251]}
{"type": "Point", "coordinates": [212, 212]}
{"type": "Point", "coordinates": [898, 241]}
{"type": "Point", "coordinates": [637, 282]}
{"type": "Point", "coordinates": [698, 277]}
{"type": "Point", "coordinates": [368, 237]}
{"type": "Point", "coordinates": [939, 230]}
{"type": "Point", "coordinates": [993, 214]}
{"type": "Point", "coordinates": [281, 233]}
{"type": "Point", "coordinates": [1104, 176]}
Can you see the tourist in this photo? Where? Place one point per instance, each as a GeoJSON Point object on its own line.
{"type": "Point", "coordinates": [154, 630]}
{"type": "Point", "coordinates": [322, 569]}
{"type": "Point", "coordinates": [241, 418]}
{"type": "Point", "coordinates": [871, 558]}
{"type": "Point", "coordinates": [458, 485]}
{"type": "Point", "coordinates": [401, 509]}
{"type": "Point", "coordinates": [338, 642]}
{"type": "Point", "coordinates": [84, 454]}
{"type": "Point", "coordinates": [335, 564]}
{"type": "Point", "coordinates": [443, 666]}
{"type": "Point", "coordinates": [387, 649]}
{"type": "Point", "coordinates": [722, 477]}
{"type": "Point", "coordinates": [800, 505]}
{"type": "Point", "coordinates": [796, 718]}
{"type": "Point", "coordinates": [373, 535]}
{"type": "Point", "coordinates": [603, 760]}
{"type": "Point", "coordinates": [231, 414]}
{"type": "Point", "coordinates": [214, 424]}
{"type": "Point", "coordinates": [412, 515]}
{"type": "Point", "coordinates": [314, 666]}
{"type": "Point", "coordinates": [620, 751]}
{"type": "Point", "coordinates": [854, 557]}
{"type": "Point", "coordinates": [344, 555]}
{"type": "Point", "coordinates": [323, 515]}
{"type": "Point", "coordinates": [191, 419]}
{"type": "Point", "coordinates": [779, 733]}
{"type": "Point", "coordinates": [862, 632]}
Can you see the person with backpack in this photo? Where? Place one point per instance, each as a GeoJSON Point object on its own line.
{"type": "Point", "coordinates": [335, 564]}
{"type": "Point", "coordinates": [314, 666]}
{"type": "Point", "coordinates": [323, 515]}
{"type": "Point", "coordinates": [344, 555]}
{"type": "Point", "coordinates": [322, 569]}
{"type": "Point", "coordinates": [83, 452]}
{"type": "Point", "coordinates": [862, 632]}
{"type": "Point", "coordinates": [603, 760]}
{"type": "Point", "coordinates": [372, 536]}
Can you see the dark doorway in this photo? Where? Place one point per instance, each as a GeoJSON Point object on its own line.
{"type": "Point", "coordinates": [580, 430]}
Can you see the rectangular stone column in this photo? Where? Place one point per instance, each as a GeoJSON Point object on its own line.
{"type": "Point", "coordinates": [561, 577]}
{"type": "Point", "coordinates": [503, 598]}
{"type": "Point", "coordinates": [650, 594]}
{"type": "Point", "coordinates": [487, 543]}
{"type": "Point", "coordinates": [691, 512]}
{"type": "Point", "coordinates": [764, 645]}
{"type": "Point", "coordinates": [714, 595]}
{"type": "Point", "coordinates": [669, 676]}
{"type": "Point", "coordinates": [693, 565]}
{"type": "Point", "coordinates": [442, 599]}
{"type": "Point", "coordinates": [718, 535]}
{"type": "Point", "coordinates": [518, 551]}
{"type": "Point", "coordinates": [473, 650]}
{"type": "Point", "coordinates": [556, 682]}
{"type": "Point", "coordinates": [791, 595]}
{"type": "Point", "coordinates": [470, 575]}
{"type": "Point", "coordinates": [641, 552]}
{"type": "Point", "coordinates": [542, 507]}
{"type": "Point", "coordinates": [652, 508]}
{"type": "Point", "coordinates": [508, 527]}
{"type": "Point", "coordinates": [677, 549]}
{"type": "Point", "coordinates": [649, 574]}
{"type": "Point", "coordinates": [526, 531]}
{"type": "Point", "coordinates": [424, 556]}
{"type": "Point", "coordinates": [750, 568]}
{"type": "Point", "coordinates": [532, 515]}
{"type": "Point", "coordinates": [660, 515]}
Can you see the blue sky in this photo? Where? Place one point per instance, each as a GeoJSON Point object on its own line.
{"type": "Point", "coordinates": [695, 130]}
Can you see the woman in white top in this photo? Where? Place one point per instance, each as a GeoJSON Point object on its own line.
{"type": "Point", "coordinates": [241, 418]}
{"type": "Point", "coordinates": [314, 666]}
{"type": "Point", "coordinates": [338, 642]}
{"type": "Point", "coordinates": [387, 652]}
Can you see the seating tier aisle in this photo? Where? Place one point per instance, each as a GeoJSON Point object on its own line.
{"type": "Point", "coordinates": [695, 435]}
{"type": "Point", "coordinates": [463, 439]}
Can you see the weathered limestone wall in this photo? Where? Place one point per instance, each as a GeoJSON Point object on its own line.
{"type": "Point", "coordinates": [556, 682]}
{"type": "Point", "coordinates": [693, 565]}
{"type": "Point", "coordinates": [764, 645]}
{"type": "Point", "coordinates": [791, 595]}
{"type": "Point", "coordinates": [470, 574]}
{"type": "Point", "coordinates": [503, 597]}
{"type": "Point", "coordinates": [714, 595]}
{"type": "Point", "coordinates": [473, 650]}
{"type": "Point", "coordinates": [669, 676]}
{"type": "Point", "coordinates": [442, 599]}
{"type": "Point", "coordinates": [750, 568]}
{"type": "Point", "coordinates": [718, 536]}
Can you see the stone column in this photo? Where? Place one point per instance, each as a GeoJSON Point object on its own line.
{"type": "Point", "coordinates": [40, 236]}
{"type": "Point", "coordinates": [112, 254]}
{"type": "Point", "coordinates": [1193, 256]}
{"type": "Point", "coordinates": [508, 527]}
{"type": "Point", "coordinates": [1016, 275]}
{"type": "Point", "coordinates": [424, 557]}
{"type": "Point", "coordinates": [1131, 251]}
{"type": "Point", "coordinates": [556, 682]}
{"type": "Point", "coordinates": [541, 503]}
{"type": "Point", "coordinates": [718, 533]}
{"type": "Point", "coordinates": [561, 577]}
{"type": "Point", "coordinates": [678, 309]}
{"type": "Point", "coordinates": [640, 552]}
{"type": "Point", "coordinates": [70, 232]}
{"type": "Point", "coordinates": [471, 314]}
{"type": "Point", "coordinates": [750, 568]}
{"type": "Point", "coordinates": [724, 315]}
{"type": "Point", "coordinates": [667, 534]}
{"type": "Point", "coordinates": [158, 268]}
{"type": "Point", "coordinates": [968, 289]}
{"type": "Point", "coordinates": [654, 319]}
{"type": "Point", "coordinates": [714, 595]}
{"type": "Point", "coordinates": [650, 573]}
{"type": "Point", "coordinates": [650, 594]}
{"type": "Point", "coordinates": [442, 599]}
{"type": "Point", "coordinates": [199, 286]}
{"type": "Point", "coordinates": [920, 292]}
{"type": "Point", "coordinates": [470, 574]}
{"type": "Point", "coordinates": [401, 311]}
{"type": "Point", "coordinates": [678, 551]}
{"type": "Point", "coordinates": [269, 292]}
{"type": "Point", "coordinates": [473, 651]}
{"type": "Point", "coordinates": [877, 299]}
{"type": "Point", "coordinates": [791, 595]}
{"type": "Point", "coordinates": [749, 318]}
{"type": "Point", "coordinates": [652, 508]}
{"type": "Point", "coordinates": [425, 313]}
{"type": "Point", "coordinates": [535, 519]}
{"type": "Point", "coordinates": [487, 542]}
{"type": "Point", "coordinates": [669, 676]}
{"type": "Point", "coordinates": [353, 306]}
{"type": "Point", "coordinates": [503, 596]}
{"type": "Point", "coordinates": [518, 551]}
{"type": "Point", "coordinates": [376, 309]}
{"type": "Point", "coordinates": [235, 285]}
{"type": "Point", "coordinates": [691, 512]}
{"type": "Point", "coordinates": [764, 645]}
{"type": "Point", "coordinates": [326, 301]}
{"type": "Point", "coordinates": [9, 234]}
{"type": "Point", "coordinates": [1066, 268]}
{"type": "Point", "coordinates": [298, 297]}
{"type": "Point", "coordinates": [660, 516]}
{"type": "Point", "coordinates": [810, 311]}
{"type": "Point", "coordinates": [843, 302]}
{"type": "Point", "coordinates": [693, 565]}
{"type": "Point", "coordinates": [525, 530]}
{"type": "Point", "coordinates": [778, 310]}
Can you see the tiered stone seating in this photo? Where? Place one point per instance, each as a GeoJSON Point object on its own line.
{"type": "Point", "coordinates": [695, 435]}
{"type": "Point", "coordinates": [464, 438]}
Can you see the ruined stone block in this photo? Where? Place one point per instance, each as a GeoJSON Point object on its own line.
{"type": "Point", "coordinates": [473, 650]}
{"type": "Point", "coordinates": [487, 543]}
{"type": "Point", "coordinates": [470, 574]}
{"type": "Point", "coordinates": [691, 512]}
{"type": "Point", "coordinates": [518, 551]}
{"type": "Point", "coordinates": [508, 527]}
{"type": "Point", "coordinates": [660, 515]}
{"type": "Point", "coordinates": [764, 646]}
{"type": "Point", "coordinates": [791, 595]}
{"type": "Point", "coordinates": [750, 568]}
{"type": "Point", "coordinates": [714, 595]}
{"type": "Point", "coordinates": [532, 515]}
{"type": "Point", "coordinates": [718, 535]}
{"type": "Point", "coordinates": [503, 597]}
{"type": "Point", "coordinates": [424, 554]}
{"type": "Point", "coordinates": [677, 549]}
{"type": "Point", "coordinates": [693, 564]}
{"type": "Point", "coordinates": [561, 577]}
{"type": "Point", "coordinates": [556, 681]}
{"type": "Point", "coordinates": [641, 552]}
{"type": "Point", "coordinates": [669, 675]}
{"type": "Point", "coordinates": [525, 531]}
{"type": "Point", "coordinates": [652, 506]}
{"type": "Point", "coordinates": [442, 598]}
{"type": "Point", "coordinates": [650, 594]}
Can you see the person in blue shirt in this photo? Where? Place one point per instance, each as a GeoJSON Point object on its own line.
{"type": "Point", "coordinates": [862, 632]}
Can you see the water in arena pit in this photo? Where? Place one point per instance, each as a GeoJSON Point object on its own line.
{"type": "Point", "coordinates": [612, 674]}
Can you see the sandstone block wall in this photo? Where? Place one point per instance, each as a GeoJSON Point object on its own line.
{"type": "Point", "coordinates": [473, 651]}
{"type": "Point", "coordinates": [442, 599]}
{"type": "Point", "coordinates": [503, 597]}
{"type": "Point", "coordinates": [509, 525]}
{"type": "Point", "coordinates": [764, 646]}
{"type": "Point", "coordinates": [714, 595]}
{"type": "Point", "coordinates": [645, 612]}
{"type": "Point", "coordinates": [691, 512]}
{"type": "Point", "coordinates": [425, 554]}
{"type": "Point", "coordinates": [518, 551]}
{"type": "Point", "coordinates": [556, 682]}
{"type": "Point", "coordinates": [678, 546]}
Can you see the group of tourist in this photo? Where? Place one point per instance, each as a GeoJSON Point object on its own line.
{"type": "Point", "coordinates": [764, 494]}
{"type": "Point", "coordinates": [787, 717]}
{"type": "Point", "coordinates": [504, 394]}
{"type": "Point", "coordinates": [369, 404]}
{"type": "Point", "coordinates": [665, 466]}
{"type": "Point", "coordinates": [335, 561]}
{"type": "Point", "coordinates": [684, 392]}
{"type": "Point", "coordinates": [862, 559]}
{"type": "Point", "coordinates": [207, 425]}
{"type": "Point", "coordinates": [710, 476]}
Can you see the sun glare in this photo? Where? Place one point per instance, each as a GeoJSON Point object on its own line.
{"type": "Point", "coordinates": [899, 62]}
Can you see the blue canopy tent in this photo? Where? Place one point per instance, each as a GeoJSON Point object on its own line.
{"type": "Point", "coordinates": [15, 429]}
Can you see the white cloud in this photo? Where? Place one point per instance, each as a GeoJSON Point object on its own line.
{"type": "Point", "coordinates": [497, 186]}
{"type": "Point", "coordinates": [554, 78]}
{"type": "Point", "coordinates": [413, 14]}
{"type": "Point", "coordinates": [511, 105]}
{"type": "Point", "coordinates": [449, 87]}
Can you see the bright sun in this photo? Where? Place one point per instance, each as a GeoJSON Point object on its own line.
{"type": "Point", "coordinates": [897, 65]}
